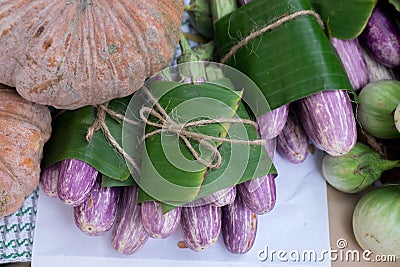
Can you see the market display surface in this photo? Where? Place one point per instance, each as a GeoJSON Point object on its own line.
{"type": "Point", "coordinates": [276, 231]}
{"type": "Point", "coordinates": [220, 153]}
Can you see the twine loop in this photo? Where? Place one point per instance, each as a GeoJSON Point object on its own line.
{"type": "Point", "coordinates": [185, 133]}
{"type": "Point", "coordinates": [100, 123]}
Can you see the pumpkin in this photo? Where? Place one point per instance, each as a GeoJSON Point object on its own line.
{"type": "Point", "coordinates": [69, 54]}
{"type": "Point", "coordinates": [24, 128]}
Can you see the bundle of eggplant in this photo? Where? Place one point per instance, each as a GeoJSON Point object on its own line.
{"type": "Point", "coordinates": [328, 120]}
{"type": "Point", "coordinates": [232, 211]}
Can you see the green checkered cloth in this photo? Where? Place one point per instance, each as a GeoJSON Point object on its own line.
{"type": "Point", "coordinates": [16, 231]}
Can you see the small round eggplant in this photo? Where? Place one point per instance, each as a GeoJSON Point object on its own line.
{"type": "Point", "coordinates": [201, 226]}
{"type": "Point", "coordinates": [75, 181]}
{"type": "Point", "coordinates": [353, 61]}
{"type": "Point", "coordinates": [292, 143]}
{"type": "Point", "coordinates": [97, 214]}
{"type": "Point", "coordinates": [271, 123]}
{"type": "Point", "coordinates": [128, 234]}
{"type": "Point", "coordinates": [49, 179]}
{"type": "Point", "coordinates": [259, 194]}
{"type": "Point", "coordinates": [381, 37]}
{"type": "Point", "coordinates": [328, 119]}
{"type": "Point", "coordinates": [157, 223]}
{"type": "Point", "coordinates": [222, 197]}
{"type": "Point", "coordinates": [239, 226]}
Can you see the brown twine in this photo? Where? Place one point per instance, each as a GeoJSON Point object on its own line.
{"type": "Point", "coordinates": [167, 124]}
{"type": "Point", "coordinates": [270, 27]}
{"type": "Point", "coordinates": [100, 123]}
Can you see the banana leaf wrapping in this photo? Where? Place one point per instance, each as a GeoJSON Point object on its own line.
{"type": "Point", "coordinates": [396, 4]}
{"type": "Point", "coordinates": [289, 60]}
{"type": "Point", "coordinates": [345, 19]}
{"type": "Point", "coordinates": [68, 140]}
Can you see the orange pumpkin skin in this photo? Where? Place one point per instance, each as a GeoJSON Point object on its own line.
{"type": "Point", "coordinates": [24, 128]}
{"type": "Point", "coordinates": [69, 54]}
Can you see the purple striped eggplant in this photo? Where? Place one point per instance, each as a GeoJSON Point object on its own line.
{"type": "Point", "coordinates": [239, 226]}
{"type": "Point", "coordinates": [222, 197]}
{"type": "Point", "coordinates": [200, 226]}
{"type": "Point", "coordinates": [376, 70]}
{"type": "Point", "coordinates": [75, 181]}
{"type": "Point", "coordinates": [381, 36]}
{"type": "Point", "coordinates": [97, 214]}
{"type": "Point", "coordinates": [157, 224]}
{"type": "Point", "coordinates": [327, 118]}
{"type": "Point", "coordinates": [197, 202]}
{"type": "Point", "coordinates": [259, 194]}
{"type": "Point", "coordinates": [49, 179]}
{"type": "Point", "coordinates": [128, 234]}
{"type": "Point", "coordinates": [271, 123]}
{"type": "Point", "coordinates": [353, 61]}
{"type": "Point", "coordinates": [270, 147]}
{"type": "Point", "coordinates": [292, 142]}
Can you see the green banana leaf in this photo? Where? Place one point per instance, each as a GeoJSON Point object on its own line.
{"type": "Point", "coordinates": [68, 140]}
{"type": "Point", "coordinates": [287, 63]}
{"type": "Point", "coordinates": [245, 162]}
{"type": "Point", "coordinates": [169, 171]}
{"type": "Point", "coordinates": [396, 4]}
{"type": "Point", "coordinates": [346, 19]}
{"type": "Point", "coordinates": [238, 170]}
{"type": "Point", "coordinates": [109, 182]}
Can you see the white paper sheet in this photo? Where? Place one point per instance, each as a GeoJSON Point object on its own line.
{"type": "Point", "coordinates": [297, 226]}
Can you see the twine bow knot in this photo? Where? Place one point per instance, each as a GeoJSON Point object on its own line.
{"type": "Point", "coordinates": [185, 133]}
